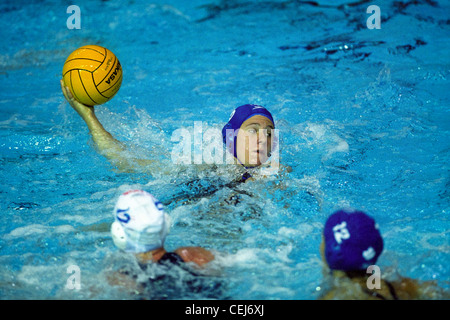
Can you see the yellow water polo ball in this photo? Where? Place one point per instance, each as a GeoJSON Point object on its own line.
{"type": "Point", "coordinates": [93, 74]}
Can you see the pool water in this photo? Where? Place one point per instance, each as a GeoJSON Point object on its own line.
{"type": "Point", "coordinates": [363, 118]}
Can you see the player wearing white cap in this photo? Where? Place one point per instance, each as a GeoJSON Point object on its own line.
{"type": "Point", "coordinates": [140, 226]}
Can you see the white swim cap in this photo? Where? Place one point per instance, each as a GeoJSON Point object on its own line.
{"type": "Point", "coordinates": [140, 223]}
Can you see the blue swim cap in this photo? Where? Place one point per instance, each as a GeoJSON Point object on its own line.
{"type": "Point", "coordinates": [352, 241]}
{"type": "Point", "coordinates": [237, 118]}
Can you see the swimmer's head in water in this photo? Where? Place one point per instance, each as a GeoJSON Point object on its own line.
{"type": "Point", "coordinates": [248, 134]}
{"type": "Point", "coordinates": [140, 223]}
{"type": "Point", "coordinates": [352, 241]}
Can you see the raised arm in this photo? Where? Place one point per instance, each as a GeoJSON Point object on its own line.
{"type": "Point", "coordinates": [106, 144]}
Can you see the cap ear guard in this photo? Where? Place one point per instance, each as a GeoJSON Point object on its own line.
{"type": "Point", "coordinates": [118, 235]}
{"type": "Point", "coordinates": [226, 136]}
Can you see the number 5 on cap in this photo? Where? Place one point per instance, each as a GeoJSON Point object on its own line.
{"type": "Point", "coordinates": [122, 215]}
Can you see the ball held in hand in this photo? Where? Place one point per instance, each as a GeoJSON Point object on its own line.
{"type": "Point", "coordinates": [93, 74]}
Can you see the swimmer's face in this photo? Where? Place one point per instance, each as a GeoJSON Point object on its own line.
{"type": "Point", "coordinates": [254, 141]}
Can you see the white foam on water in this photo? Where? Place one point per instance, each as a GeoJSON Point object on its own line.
{"type": "Point", "coordinates": [37, 229]}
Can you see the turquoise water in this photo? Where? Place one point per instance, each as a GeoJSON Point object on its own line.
{"type": "Point", "coordinates": [363, 118]}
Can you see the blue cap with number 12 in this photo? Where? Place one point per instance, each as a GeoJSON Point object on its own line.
{"type": "Point", "coordinates": [352, 241]}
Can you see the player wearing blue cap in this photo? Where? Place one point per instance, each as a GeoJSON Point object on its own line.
{"type": "Point", "coordinates": [351, 243]}
{"type": "Point", "coordinates": [247, 136]}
